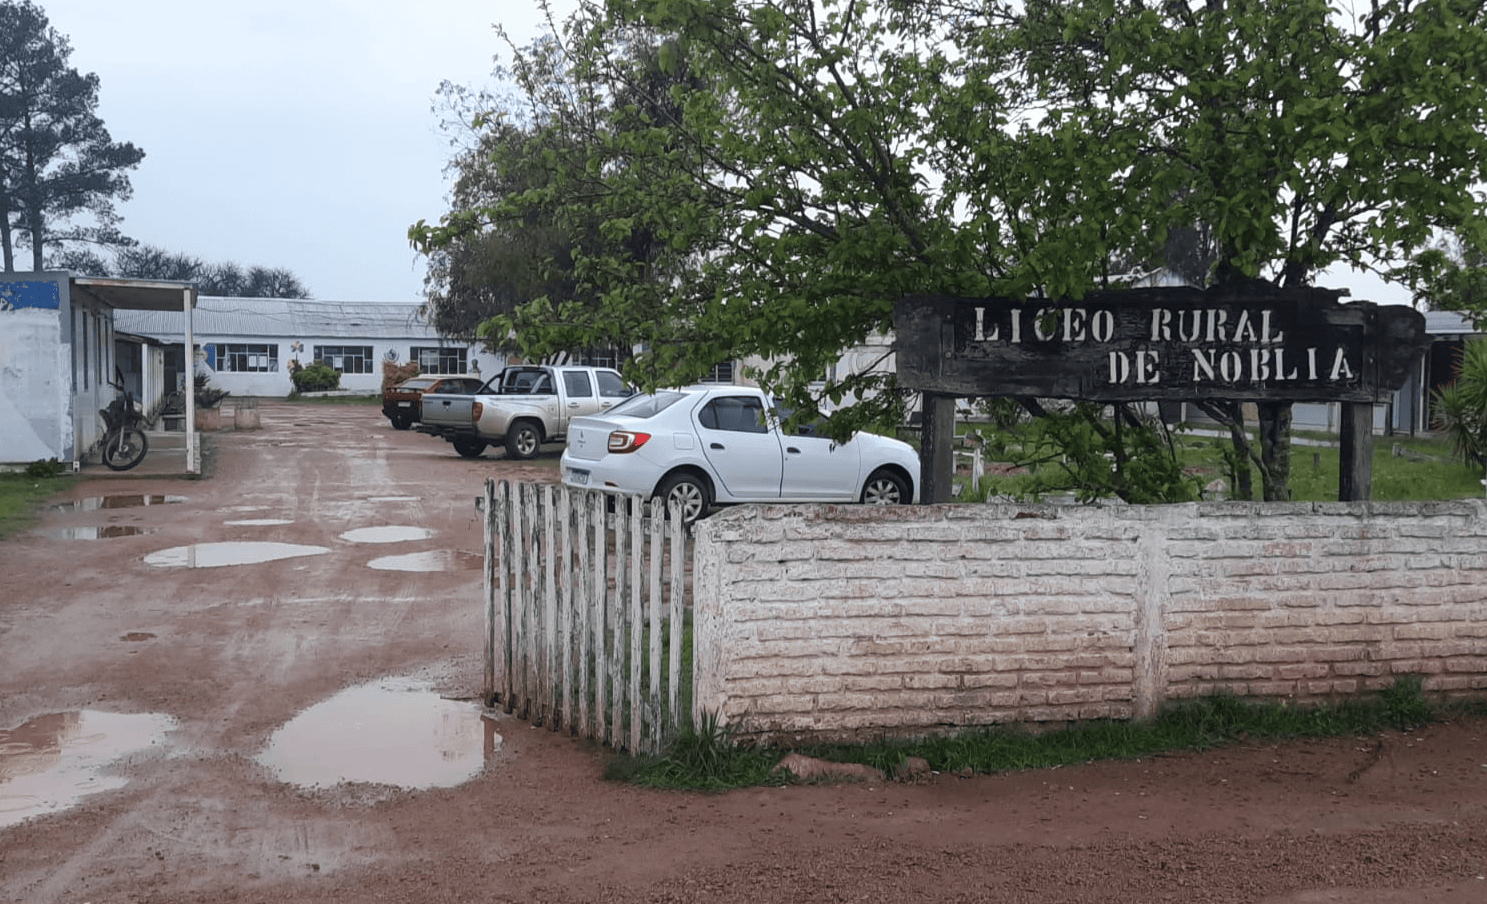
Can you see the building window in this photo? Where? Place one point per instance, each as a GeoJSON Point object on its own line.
{"type": "Point", "coordinates": [721, 373]}
{"type": "Point", "coordinates": [260, 359]}
{"type": "Point", "coordinates": [599, 357]}
{"type": "Point", "coordinates": [348, 359]}
{"type": "Point", "coordinates": [439, 361]}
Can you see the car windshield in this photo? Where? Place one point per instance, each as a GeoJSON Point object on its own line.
{"type": "Point", "coordinates": [648, 405]}
{"type": "Point", "coordinates": [416, 383]}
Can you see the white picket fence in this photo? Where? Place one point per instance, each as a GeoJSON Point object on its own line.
{"type": "Point", "coordinates": [583, 629]}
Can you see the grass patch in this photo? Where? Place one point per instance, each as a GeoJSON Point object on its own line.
{"type": "Point", "coordinates": [699, 758]}
{"type": "Point", "coordinates": [1405, 469]}
{"type": "Point", "coordinates": [333, 400]}
{"type": "Point", "coordinates": [22, 494]}
{"type": "Point", "coordinates": [707, 758]}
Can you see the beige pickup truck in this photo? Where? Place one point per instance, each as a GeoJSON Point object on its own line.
{"type": "Point", "coordinates": [521, 408]}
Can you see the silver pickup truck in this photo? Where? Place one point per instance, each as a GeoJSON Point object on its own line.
{"type": "Point", "coordinates": [521, 408]}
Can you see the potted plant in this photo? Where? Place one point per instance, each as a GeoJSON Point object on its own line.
{"type": "Point", "coordinates": [208, 403]}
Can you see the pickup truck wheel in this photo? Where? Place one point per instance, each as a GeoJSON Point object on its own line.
{"type": "Point", "coordinates": [402, 421]}
{"type": "Point", "coordinates": [688, 492]}
{"type": "Point", "coordinates": [468, 446]}
{"type": "Point", "coordinates": [523, 440]}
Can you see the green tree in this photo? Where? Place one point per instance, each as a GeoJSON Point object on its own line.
{"type": "Point", "coordinates": [525, 216]}
{"type": "Point", "coordinates": [1302, 137]}
{"type": "Point", "coordinates": [1451, 275]}
{"type": "Point", "coordinates": [57, 160]}
{"type": "Point", "coordinates": [829, 157]}
{"type": "Point", "coordinates": [152, 262]}
{"type": "Point", "coordinates": [484, 266]}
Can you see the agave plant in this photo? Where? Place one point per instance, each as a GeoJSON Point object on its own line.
{"type": "Point", "coordinates": [1461, 407]}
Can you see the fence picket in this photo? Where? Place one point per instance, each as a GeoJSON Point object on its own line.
{"type": "Point", "coordinates": [585, 611]}
{"type": "Point", "coordinates": [546, 680]}
{"type": "Point", "coordinates": [617, 618]}
{"type": "Point", "coordinates": [656, 513]}
{"type": "Point", "coordinates": [637, 619]}
{"type": "Point", "coordinates": [567, 602]}
{"type": "Point", "coordinates": [488, 590]}
{"type": "Point", "coordinates": [575, 603]}
{"type": "Point", "coordinates": [678, 615]}
{"type": "Point", "coordinates": [521, 587]}
{"type": "Point", "coordinates": [506, 558]}
{"type": "Point", "coordinates": [599, 565]}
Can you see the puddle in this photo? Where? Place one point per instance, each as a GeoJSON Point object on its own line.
{"type": "Point", "coordinates": [259, 522]}
{"type": "Point", "coordinates": [53, 761]}
{"type": "Point", "coordinates": [433, 560]}
{"type": "Point", "coordinates": [215, 555]}
{"type": "Point", "coordinates": [137, 636]}
{"type": "Point", "coordinates": [94, 503]}
{"type": "Point", "coordinates": [397, 731]}
{"type": "Point", "coordinates": [392, 533]}
{"type": "Point", "coordinates": [107, 532]}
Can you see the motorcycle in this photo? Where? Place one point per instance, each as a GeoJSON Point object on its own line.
{"type": "Point", "coordinates": [124, 443]}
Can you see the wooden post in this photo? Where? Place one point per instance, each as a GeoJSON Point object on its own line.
{"type": "Point", "coordinates": [937, 448]}
{"type": "Point", "coordinates": [1355, 453]}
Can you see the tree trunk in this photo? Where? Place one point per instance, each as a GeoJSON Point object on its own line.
{"type": "Point", "coordinates": [1231, 415]}
{"type": "Point", "coordinates": [6, 249]}
{"type": "Point", "coordinates": [1275, 450]}
{"type": "Point", "coordinates": [38, 241]}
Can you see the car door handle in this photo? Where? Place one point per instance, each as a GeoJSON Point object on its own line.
{"type": "Point", "coordinates": [718, 446]}
{"type": "Point", "coordinates": [792, 450]}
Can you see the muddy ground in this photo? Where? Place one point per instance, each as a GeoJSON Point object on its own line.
{"type": "Point", "coordinates": [225, 656]}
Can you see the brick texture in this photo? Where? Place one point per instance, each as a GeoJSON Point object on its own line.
{"type": "Point", "coordinates": [851, 622]}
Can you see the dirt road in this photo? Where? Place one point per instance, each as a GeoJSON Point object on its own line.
{"type": "Point", "coordinates": [161, 709]}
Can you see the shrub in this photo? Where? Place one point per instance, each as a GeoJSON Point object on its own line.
{"type": "Point", "coordinates": [394, 373]}
{"type": "Point", "coordinates": [45, 468]}
{"type": "Point", "coordinates": [1461, 408]}
{"type": "Point", "coordinates": [207, 395]}
{"type": "Point", "coordinates": [317, 377]}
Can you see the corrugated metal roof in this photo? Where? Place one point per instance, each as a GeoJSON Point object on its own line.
{"type": "Point", "coordinates": [282, 317]}
{"type": "Point", "coordinates": [1447, 323]}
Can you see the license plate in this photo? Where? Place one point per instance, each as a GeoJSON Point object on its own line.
{"type": "Point", "coordinates": [405, 404]}
{"type": "Point", "coordinates": [575, 476]}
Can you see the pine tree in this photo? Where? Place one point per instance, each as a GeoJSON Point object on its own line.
{"type": "Point", "coordinates": [57, 160]}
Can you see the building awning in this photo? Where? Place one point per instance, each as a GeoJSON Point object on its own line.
{"type": "Point", "coordinates": [153, 295]}
{"type": "Point", "coordinates": [138, 294]}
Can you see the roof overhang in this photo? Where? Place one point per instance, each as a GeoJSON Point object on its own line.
{"type": "Point", "coordinates": [138, 294]}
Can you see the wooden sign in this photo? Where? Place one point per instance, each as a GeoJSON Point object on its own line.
{"type": "Point", "coordinates": [1252, 343]}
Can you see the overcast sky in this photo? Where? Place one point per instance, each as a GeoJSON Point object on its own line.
{"type": "Point", "coordinates": [288, 133]}
{"type": "Point", "coordinates": [298, 133]}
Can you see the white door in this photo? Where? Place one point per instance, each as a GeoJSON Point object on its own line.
{"type": "Point", "coordinates": [741, 447]}
{"type": "Point", "coordinates": [818, 468]}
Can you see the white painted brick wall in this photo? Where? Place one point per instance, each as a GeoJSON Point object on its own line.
{"type": "Point", "coordinates": [854, 622]}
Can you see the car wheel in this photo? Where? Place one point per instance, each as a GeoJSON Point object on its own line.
{"type": "Point", "coordinates": [884, 487]}
{"type": "Point", "coordinates": [469, 446]}
{"type": "Point", "coordinates": [523, 440]}
{"type": "Point", "coordinates": [402, 422]}
{"type": "Point", "coordinates": [686, 491]}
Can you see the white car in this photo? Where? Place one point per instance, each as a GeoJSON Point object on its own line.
{"type": "Point", "coordinates": [705, 445]}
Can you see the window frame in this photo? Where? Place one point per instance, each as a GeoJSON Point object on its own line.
{"type": "Point", "coordinates": [226, 351]}
{"type": "Point", "coordinates": [450, 360]}
{"type": "Point", "coordinates": [365, 353]}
